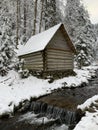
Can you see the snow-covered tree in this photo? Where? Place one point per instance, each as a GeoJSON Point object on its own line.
{"type": "Point", "coordinates": [51, 16]}
{"type": "Point", "coordinates": [96, 29]}
{"type": "Point", "coordinates": [81, 31]}
{"type": "Point", "coordinates": [6, 47]}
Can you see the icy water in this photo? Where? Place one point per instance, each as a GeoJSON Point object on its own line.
{"type": "Point", "coordinates": [65, 99]}
{"type": "Point", "coordinates": [30, 121]}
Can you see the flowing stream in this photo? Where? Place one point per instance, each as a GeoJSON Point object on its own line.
{"type": "Point", "coordinates": [56, 111]}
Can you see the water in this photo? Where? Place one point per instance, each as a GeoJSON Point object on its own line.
{"type": "Point", "coordinates": [52, 112]}
{"type": "Point", "coordinates": [31, 121]}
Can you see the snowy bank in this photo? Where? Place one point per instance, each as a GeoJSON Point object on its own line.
{"type": "Point", "coordinates": [14, 90]}
{"type": "Point", "coordinates": [90, 121]}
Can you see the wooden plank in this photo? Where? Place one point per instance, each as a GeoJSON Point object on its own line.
{"type": "Point", "coordinates": [56, 69]}
{"type": "Point", "coordinates": [33, 62]}
{"type": "Point", "coordinates": [59, 65]}
{"type": "Point", "coordinates": [32, 54]}
{"type": "Point", "coordinates": [58, 57]}
{"type": "Point", "coordinates": [60, 68]}
{"type": "Point", "coordinates": [33, 67]}
{"type": "Point", "coordinates": [36, 66]}
{"type": "Point", "coordinates": [59, 61]}
{"type": "Point", "coordinates": [45, 60]}
{"type": "Point", "coordinates": [62, 60]}
{"type": "Point", "coordinates": [57, 50]}
{"type": "Point", "coordinates": [62, 64]}
{"type": "Point", "coordinates": [30, 68]}
{"type": "Point", "coordinates": [29, 57]}
{"type": "Point", "coordinates": [33, 57]}
{"type": "Point", "coordinates": [68, 39]}
{"type": "Point", "coordinates": [60, 54]}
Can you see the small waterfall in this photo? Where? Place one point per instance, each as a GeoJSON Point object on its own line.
{"type": "Point", "coordinates": [35, 107]}
{"type": "Point", "coordinates": [61, 114]}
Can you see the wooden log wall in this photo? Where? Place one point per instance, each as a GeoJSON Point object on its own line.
{"type": "Point", "coordinates": [33, 61]}
{"type": "Point", "coordinates": [59, 60]}
{"type": "Point", "coordinates": [59, 42]}
{"type": "Point", "coordinates": [59, 53]}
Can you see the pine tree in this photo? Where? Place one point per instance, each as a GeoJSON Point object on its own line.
{"type": "Point", "coordinates": [81, 32]}
{"type": "Point", "coordinates": [6, 47]}
{"type": "Point", "coordinates": [51, 16]}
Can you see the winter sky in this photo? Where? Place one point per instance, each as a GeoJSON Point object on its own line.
{"type": "Point", "coordinates": [92, 7]}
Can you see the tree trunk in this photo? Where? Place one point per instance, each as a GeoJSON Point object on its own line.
{"type": "Point", "coordinates": [45, 11]}
{"type": "Point", "coordinates": [25, 18]}
{"type": "Point", "coordinates": [17, 22]}
{"type": "Point", "coordinates": [41, 16]}
{"type": "Point", "coordinates": [35, 16]}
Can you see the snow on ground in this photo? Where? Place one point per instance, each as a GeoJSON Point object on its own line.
{"type": "Point", "coordinates": [90, 120]}
{"type": "Point", "coordinates": [13, 89]}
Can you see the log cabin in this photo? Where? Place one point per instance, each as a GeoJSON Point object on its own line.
{"type": "Point", "coordinates": [49, 52]}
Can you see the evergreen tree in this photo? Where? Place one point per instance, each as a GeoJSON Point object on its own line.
{"type": "Point", "coordinates": [51, 17]}
{"type": "Point", "coordinates": [81, 32]}
{"type": "Point", "coordinates": [6, 47]}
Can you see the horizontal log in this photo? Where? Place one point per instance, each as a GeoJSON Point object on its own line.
{"type": "Point", "coordinates": [32, 67]}
{"type": "Point", "coordinates": [33, 62]}
{"type": "Point", "coordinates": [61, 60]}
{"type": "Point", "coordinates": [36, 58]}
{"type": "Point", "coordinates": [58, 57]}
{"type": "Point", "coordinates": [32, 54]}
{"type": "Point", "coordinates": [60, 64]}
{"type": "Point", "coordinates": [59, 69]}
{"type": "Point", "coordinates": [61, 40]}
{"type": "Point", "coordinates": [59, 53]}
{"type": "Point", "coordinates": [57, 50]}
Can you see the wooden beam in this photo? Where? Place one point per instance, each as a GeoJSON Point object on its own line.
{"type": "Point", "coordinates": [44, 60]}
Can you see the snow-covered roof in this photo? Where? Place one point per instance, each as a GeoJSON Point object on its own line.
{"type": "Point", "coordinates": [38, 42]}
